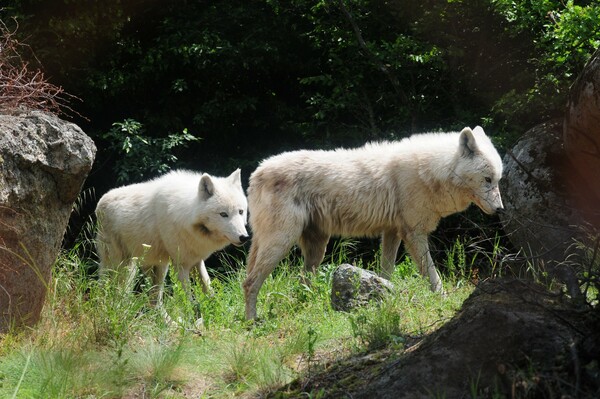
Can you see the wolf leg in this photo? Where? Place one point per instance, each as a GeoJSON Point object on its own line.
{"type": "Point", "coordinates": [111, 253]}
{"type": "Point", "coordinates": [418, 248]}
{"type": "Point", "coordinates": [262, 260]}
{"type": "Point", "coordinates": [204, 277]}
{"type": "Point", "coordinates": [157, 273]}
{"type": "Point", "coordinates": [313, 244]}
{"type": "Point", "coordinates": [390, 242]}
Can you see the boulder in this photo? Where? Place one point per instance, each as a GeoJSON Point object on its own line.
{"type": "Point", "coordinates": [43, 164]}
{"type": "Point", "coordinates": [540, 218]}
{"type": "Point", "coordinates": [581, 133]}
{"type": "Point", "coordinates": [352, 286]}
{"type": "Point", "coordinates": [510, 339]}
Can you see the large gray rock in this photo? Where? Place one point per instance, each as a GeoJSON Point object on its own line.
{"type": "Point", "coordinates": [43, 164]}
{"type": "Point", "coordinates": [582, 139]}
{"type": "Point", "coordinates": [540, 217]}
{"type": "Point", "coordinates": [352, 286]}
{"type": "Point", "coordinates": [511, 339]}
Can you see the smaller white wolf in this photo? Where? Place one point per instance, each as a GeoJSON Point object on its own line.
{"type": "Point", "coordinates": [396, 190]}
{"type": "Point", "coordinates": [181, 218]}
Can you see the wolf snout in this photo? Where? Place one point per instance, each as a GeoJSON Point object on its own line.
{"type": "Point", "coordinates": [239, 240]}
{"type": "Point", "coordinates": [244, 238]}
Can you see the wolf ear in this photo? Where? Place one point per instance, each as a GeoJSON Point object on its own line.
{"type": "Point", "coordinates": [467, 143]}
{"type": "Point", "coordinates": [478, 130]}
{"type": "Point", "coordinates": [236, 177]}
{"type": "Point", "coordinates": [206, 188]}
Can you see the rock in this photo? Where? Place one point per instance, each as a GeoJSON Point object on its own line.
{"type": "Point", "coordinates": [352, 287]}
{"type": "Point", "coordinates": [43, 164]}
{"type": "Point", "coordinates": [510, 339]}
{"type": "Point", "coordinates": [581, 132]}
{"type": "Point", "coordinates": [540, 218]}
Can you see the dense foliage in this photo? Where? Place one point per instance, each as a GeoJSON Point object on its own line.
{"type": "Point", "coordinates": [255, 77]}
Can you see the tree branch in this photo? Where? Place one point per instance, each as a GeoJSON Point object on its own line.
{"type": "Point", "coordinates": [363, 45]}
{"type": "Point", "coordinates": [20, 87]}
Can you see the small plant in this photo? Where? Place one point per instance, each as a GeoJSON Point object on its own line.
{"type": "Point", "coordinates": [494, 258]}
{"type": "Point", "coordinates": [341, 249]}
{"type": "Point", "coordinates": [464, 256]}
{"type": "Point", "coordinates": [378, 325]}
{"type": "Point", "coordinates": [181, 306]}
{"type": "Point", "coordinates": [405, 269]}
{"type": "Point", "coordinates": [312, 339]}
{"type": "Point", "coordinates": [114, 311]}
{"type": "Point", "coordinates": [585, 261]}
{"type": "Point", "coordinates": [456, 262]}
{"type": "Point", "coordinates": [141, 154]}
{"type": "Point", "coordinates": [157, 362]}
{"type": "Point", "coordinates": [257, 364]}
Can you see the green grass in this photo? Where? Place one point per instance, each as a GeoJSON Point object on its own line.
{"type": "Point", "coordinates": [96, 340]}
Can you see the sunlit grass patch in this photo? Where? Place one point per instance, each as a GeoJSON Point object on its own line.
{"type": "Point", "coordinates": [97, 339]}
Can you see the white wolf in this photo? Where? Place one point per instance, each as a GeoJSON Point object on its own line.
{"type": "Point", "coordinates": [396, 190]}
{"type": "Point", "coordinates": [181, 217]}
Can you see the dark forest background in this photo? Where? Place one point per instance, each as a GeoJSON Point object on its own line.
{"type": "Point", "coordinates": [216, 85]}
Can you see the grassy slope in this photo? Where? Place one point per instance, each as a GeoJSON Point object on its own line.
{"type": "Point", "coordinates": [96, 341]}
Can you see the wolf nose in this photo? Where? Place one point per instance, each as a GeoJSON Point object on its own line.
{"type": "Point", "coordinates": [500, 210]}
{"type": "Point", "coordinates": [244, 238]}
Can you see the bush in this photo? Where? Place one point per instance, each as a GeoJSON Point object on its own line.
{"type": "Point", "coordinates": [23, 87]}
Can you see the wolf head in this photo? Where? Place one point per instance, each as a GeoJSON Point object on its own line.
{"type": "Point", "coordinates": [224, 210]}
{"type": "Point", "coordinates": [479, 169]}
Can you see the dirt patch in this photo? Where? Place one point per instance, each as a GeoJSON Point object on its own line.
{"type": "Point", "coordinates": [510, 339]}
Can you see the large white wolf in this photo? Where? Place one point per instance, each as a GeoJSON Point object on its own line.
{"type": "Point", "coordinates": [396, 190]}
{"type": "Point", "coordinates": [179, 218]}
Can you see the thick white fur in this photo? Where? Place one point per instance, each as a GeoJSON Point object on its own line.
{"type": "Point", "coordinates": [397, 190]}
{"type": "Point", "coordinates": [181, 217]}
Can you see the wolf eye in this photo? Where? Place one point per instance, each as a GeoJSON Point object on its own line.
{"type": "Point", "coordinates": [224, 214]}
{"type": "Point", "coordinates": [241, 211]}
{"type": "Point", "coordinates": [488, 179]}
